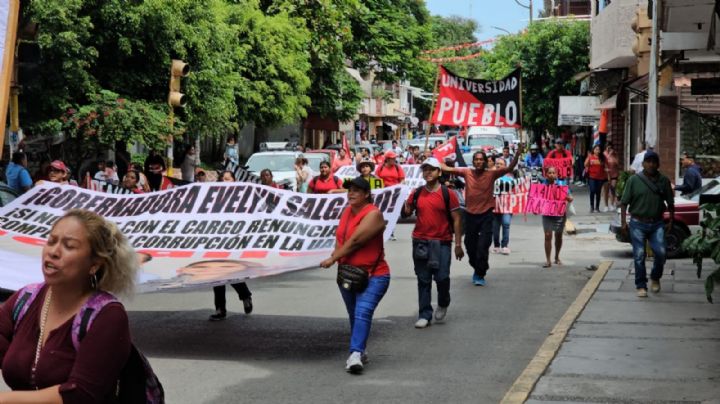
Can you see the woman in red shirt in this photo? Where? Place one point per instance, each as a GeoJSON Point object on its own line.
{"type": "Point", "coordinates": [84, 255]}
{"type": "Point", "coordinates": [360, 243]}
{"type": "Point", "coordinates": [597, 174]}
{"type": "Point", "coordinates": [325, 183]}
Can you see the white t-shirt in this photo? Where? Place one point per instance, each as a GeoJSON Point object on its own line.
{"type": "Point", "coordinates": [100, 176]}
{"type": "Point", "coordinates": [637, 162]}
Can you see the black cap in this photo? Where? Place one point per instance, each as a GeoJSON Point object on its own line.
{"type": "Point", "coordinates": [358, 182]}
{"type": "Point", "coordinates": [689, 155]}
{"type": "Point", "coordinates": [651, 155]}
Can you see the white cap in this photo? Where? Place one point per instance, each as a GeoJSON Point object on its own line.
{"type": "Point", "coordinates": [432, 162]}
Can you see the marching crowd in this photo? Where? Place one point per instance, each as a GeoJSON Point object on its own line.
{"type": "Point", "coordinates": [87, 259]}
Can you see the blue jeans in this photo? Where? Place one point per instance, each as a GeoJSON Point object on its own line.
{"type": "Point", "coordinates": [655, 234]}
{"type": "Point", "coordinates": [595, 191]}
{"type": "Point", "coordinates": [425, 276]}
{"type": "Point", "coordinates": [503, 219]}
{"type": "Point", "coordinates": [360, 308]}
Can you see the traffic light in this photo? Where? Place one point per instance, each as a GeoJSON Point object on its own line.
{"type": "Point", "coordinates": [642, 25]}
{"type": "Point", "coordinates": [178, 69]}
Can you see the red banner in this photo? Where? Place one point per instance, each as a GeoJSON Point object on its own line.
{"type": "Point", "coordinates": [468, 102]}
{"type": "Point", "coordinates": [563, 166]}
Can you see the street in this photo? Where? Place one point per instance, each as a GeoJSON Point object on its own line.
{"type": "Point", "coordinates": [293, 347]}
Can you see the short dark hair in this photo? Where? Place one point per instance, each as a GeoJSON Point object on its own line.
{"type": "Point", "coordinates": [232, 174]}
{"type": "Point", "coordinates": [110, 164]}
{"type": "Point", "coordinates": [482, 153]}
{"type": "Point", "coordinates": [689, 155]}
{"type": "Point", "coordinates": [18, 157]}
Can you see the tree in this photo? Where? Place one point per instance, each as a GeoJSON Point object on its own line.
{"type": "Point", "coordinates": [550, 54]}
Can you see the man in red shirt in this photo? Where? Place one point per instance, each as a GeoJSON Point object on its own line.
{"type": "Point", "coordinates": [434, 206]}
{"type": "Point", "coordinates": [479, 206]}
{"type": "Point", "coordinates": [390, 172]}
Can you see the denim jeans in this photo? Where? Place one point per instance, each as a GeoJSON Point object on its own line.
{"type": "Point", "coordinates": [425, 276]}
{"type": "Point", "coordinates": [595, 187]}
{"type": "Point", "coordinates": [503, 219]}
{"type": "Point", "coordinates": [360, 308]}
{"type": "Point", "coordinates": [219, 292]}
{"type": "Point", "coordinates": [478, 237]}
{"type": "Point", "coordinates": [655, 234]}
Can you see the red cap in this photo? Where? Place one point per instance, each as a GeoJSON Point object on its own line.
{"type": "Point", "coordinates": [59, 165]}
{"type": "Point", "coordinates": [390, 154]}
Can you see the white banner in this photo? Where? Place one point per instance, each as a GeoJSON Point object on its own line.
{"type": "Point", "coordinates": [413, 174]}
{"type": "Point", "coordinates": [190, 236]}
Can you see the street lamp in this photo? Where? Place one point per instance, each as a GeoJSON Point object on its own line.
{"type": "Point", "coordinates": [529, 7]}
{"type": "Point", "coordinates": [501, 29]}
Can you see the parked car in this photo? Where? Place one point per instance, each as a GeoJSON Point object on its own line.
{"type": "Point", "coordinates": [371, 147]}
{"type": "Point", "coordinates": [281, 163]}
{"type": "Point", "coordinates": [687, 217]}
{"type": "Point", "coordinates": [486, 143]}
{"type": "Point", "coordinates": [431, 142]}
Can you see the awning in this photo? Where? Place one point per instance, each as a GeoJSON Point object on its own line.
{"type": "Point", "coordinates": [610, 103]}
{"type": "Point", "coordinates": [391, 125]}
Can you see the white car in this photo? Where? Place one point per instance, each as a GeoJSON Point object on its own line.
{"type": "Point", "coordinates": [282, 165]}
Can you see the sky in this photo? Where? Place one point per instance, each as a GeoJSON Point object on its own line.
{"type": "Point", "coordinates": [504, 14]}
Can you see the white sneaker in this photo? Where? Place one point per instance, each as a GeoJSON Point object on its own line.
{"type": "Point", "coordinates": [440, 313]}
{"type": "Point", "coordinates": [505, 251]}
{"type": "Point", "coordinates": [354, 363]}
{"type": "Point", "coordinates": [422, 323]}
{"type": "Point", "coordinates": [604, 209]}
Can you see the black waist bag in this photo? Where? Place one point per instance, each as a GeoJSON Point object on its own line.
{"type": "Point", "coordinates": [352, 278]}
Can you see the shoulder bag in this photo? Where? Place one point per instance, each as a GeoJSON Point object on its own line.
{"type": "Point", "coordinates": [351, 278]}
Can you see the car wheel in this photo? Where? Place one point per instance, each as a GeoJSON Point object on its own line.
{"type": "Point", "coordinates": [673, 241]}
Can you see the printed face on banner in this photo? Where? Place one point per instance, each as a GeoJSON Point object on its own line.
{"type": "Point", "coordinates": [468, 102]}
{"type": "Point", "coordinates": [199, 234]}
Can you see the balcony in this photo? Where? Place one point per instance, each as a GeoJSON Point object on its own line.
{"type": "Point", "coordinates": [612, 37]}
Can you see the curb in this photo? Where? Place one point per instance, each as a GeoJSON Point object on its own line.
{"type": "Point", "coordinates": [525, 383]}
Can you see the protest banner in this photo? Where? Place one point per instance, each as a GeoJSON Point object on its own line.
{"type": "Point", "coordinates": [413, 174]}
{"type": "Point", "coordinates": [563, 166]}
{"type": "Point", "coordinates": [241, 174]}
{"type": "Point", "coordinates": [191, 236]}
{"type": "Point", "coordinates": [469, 102]}
{"type": "Point", "coordinates": [511, 195]}
{"type": "Point", "coordinates": [547, 200]}
{"type": "Point", "coordinates": [106, 187]}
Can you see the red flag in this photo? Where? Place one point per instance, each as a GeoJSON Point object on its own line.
{"type": "Point", "coordinates": [346, 145]}
{"type": "Point", "coordinates": [448, 148]}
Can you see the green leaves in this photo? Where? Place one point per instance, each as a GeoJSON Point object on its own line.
{"type": "Point", "coordinates": [706, 243]}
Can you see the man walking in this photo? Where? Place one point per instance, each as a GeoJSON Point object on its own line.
{"type": "Point", "coordinates": [479, 206]}
{"type": "Point", "coordinates": [646, 196]}
{"type": "Point", "coordinates": [438, 217]}
{"type": "Point", "coordinates": [692, 179]}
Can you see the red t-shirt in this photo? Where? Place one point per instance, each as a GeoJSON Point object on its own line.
{"type": "Point", "coordinates": [390, 175]}
{"type": "Point", "coordinates": [367, 255]}
{"type": "Point", "coordinates": [432, 220]}
{"type": "Point", "coordinates": [479, 187]}
{"type": "Point", "coordinates": [322, 186]}
{"type": "Point", "coordinates": [87, 375]}
{"type": "Point", "coordinates": [341, 163]}
{"type": "Point", "coordinates": [596, 168]}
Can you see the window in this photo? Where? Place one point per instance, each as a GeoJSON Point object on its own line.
{"type": "Point", "coordinates": [701, 136]}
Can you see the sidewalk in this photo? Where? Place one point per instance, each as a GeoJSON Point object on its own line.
{"type": "Point", "coordinates": [661, 349]}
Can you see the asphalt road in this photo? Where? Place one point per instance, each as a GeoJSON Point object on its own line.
{"type": "Point", "coordinates": [292, 349]}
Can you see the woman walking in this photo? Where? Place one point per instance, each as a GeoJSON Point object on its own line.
{"type": "Point", "coordinates": [240, 287]}
{"type": "Point", "coordinates": [501, 221]}
{"type": "Point", "coordinates": [554, 224]}
{"type": "Point", "coordinates": [597, 175]}
{"type": "Point", "coordinates": [613, 173]}
{"type": "Point", "coordinates": [360, 244]}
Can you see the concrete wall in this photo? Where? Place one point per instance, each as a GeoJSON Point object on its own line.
{"type": "Point", "coordinates": [612, 37]}
{"type": "Point", "coordinates": [667, 139]}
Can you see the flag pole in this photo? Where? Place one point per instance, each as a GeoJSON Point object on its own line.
{"type": "Point", "coordinates": [523, 136]}
{"type": "Point", "coordinates": [432, 108]}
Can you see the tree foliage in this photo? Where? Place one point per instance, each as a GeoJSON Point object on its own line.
{"type": "Point", "coordinates": [706, 243]}
{"type": "Point", "coordinates": [550, 54]}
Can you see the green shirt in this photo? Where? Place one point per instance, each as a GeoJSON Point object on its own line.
{"type": "Point", "coordinates": [641, 199]}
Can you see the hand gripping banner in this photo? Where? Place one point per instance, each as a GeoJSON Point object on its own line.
{"type": "Point", "coordinates": [192, 236]}
{"type": "Point", "coordinates": [468, 102]}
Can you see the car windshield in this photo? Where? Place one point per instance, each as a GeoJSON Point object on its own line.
{"type": "Point", "coordinates": [274, 162]}
{"type": "Point", "coordinates": [315, 159]}
{"type": "Point", "coordinates": [485, 141]}
{"type": "Point", "coordinates": [712, 187]}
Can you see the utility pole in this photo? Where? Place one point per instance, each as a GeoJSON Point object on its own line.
{"type": "Point", "coordinates": [529, 7]}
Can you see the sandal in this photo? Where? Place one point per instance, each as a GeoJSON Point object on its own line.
{"type": "Point", "coordinates": [547, 265]}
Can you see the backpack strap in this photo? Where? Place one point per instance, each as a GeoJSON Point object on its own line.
{"type": "Point", "coordinates": [446, 197]}
{"type": "Point", "coordinates": [26, 297]}
{"type": "Point", "coordinates": [88, 312]}
{"type": "Point", "coordinates": [338, 183]}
